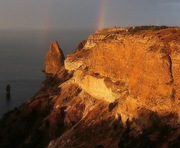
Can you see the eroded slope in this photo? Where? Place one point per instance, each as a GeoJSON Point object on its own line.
{"type": "Point", "coordinates": [121, 88]}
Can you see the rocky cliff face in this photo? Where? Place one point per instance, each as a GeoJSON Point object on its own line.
{"type": "Point", "coordinates": [140, 70]}
{"type": "Point", "coordinates": [130, 72]}
{"type": "Point", "coordinates": [120, 88]}
{"type": "Point", "coordinates": [54, 59]}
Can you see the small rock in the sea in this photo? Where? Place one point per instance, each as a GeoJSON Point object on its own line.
{"type": "Point", "coordinates": [8, 90]}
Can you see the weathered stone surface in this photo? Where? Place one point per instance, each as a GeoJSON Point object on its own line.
{"type": "Point", "coordinates": [54, 59]}
{"type": "Point", "coordinates": [147, 64]}
{"type": "Point", "coordinates": [80, 46]}
{"type": "Point", "coordinates": [138, 72]}
{"type": "Point", "coordinates": [99, 35]}
{"type": "Point", "coordinates": [118, 89]}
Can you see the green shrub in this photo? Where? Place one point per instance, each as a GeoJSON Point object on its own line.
{"type": "Point", "coordinates": [133, 30]}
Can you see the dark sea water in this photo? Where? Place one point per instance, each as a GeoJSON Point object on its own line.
{"type": "Point", "coordinates": [22, 59]}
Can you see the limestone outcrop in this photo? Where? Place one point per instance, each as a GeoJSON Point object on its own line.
{"type": "Point", "coordinates": [120, 88]}
{"type": "Point", "coordinates": [54, 59]}
{"type": "Point", "coordinates": [99, 35]}
{"type": "Point", "coordinates": [133, 74]}
{"type": "Point", "coordinates": [144, 66]}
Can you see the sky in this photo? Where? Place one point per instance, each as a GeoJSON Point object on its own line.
{"type": "Point", "coordinates": [86, 14]}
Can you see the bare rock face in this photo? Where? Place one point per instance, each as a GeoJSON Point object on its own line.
{"type": "Point", "coordinates": [99, 35]}
{"type": "Point", "coordinates": [120, 88]}
{"type": "Point", "coordinates": [140, 70]}
{"type": "Point", "coordinates": [131, 76]}
{"type": "Point", "coordinates": [54, 59]}
{"type": "Point", "coordinates": [80, 46]}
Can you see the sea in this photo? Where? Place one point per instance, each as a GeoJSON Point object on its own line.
{"type": "Point", "coordinates": [22, 54]}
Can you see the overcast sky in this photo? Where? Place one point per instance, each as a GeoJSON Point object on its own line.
{"type": "Point", "coordinates": [84, 14]}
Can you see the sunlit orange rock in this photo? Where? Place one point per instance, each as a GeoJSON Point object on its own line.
{"type": "Point", "coordinates": [54, 59]}
{"type": "Point", "coordinates": [120, 88]}
{"type": "Point", "coordinates": [142, 68]}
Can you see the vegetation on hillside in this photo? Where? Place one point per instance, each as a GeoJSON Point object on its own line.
{"type": "Point", "coordinates": [133, 30]}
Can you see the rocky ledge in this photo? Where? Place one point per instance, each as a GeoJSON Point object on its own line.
{"type": "Point", "coordinates": [120, 88]}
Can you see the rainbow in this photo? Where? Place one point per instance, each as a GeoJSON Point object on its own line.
{"type": "Point", "coordinates": [101, 15]}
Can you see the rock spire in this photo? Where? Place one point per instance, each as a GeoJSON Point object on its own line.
{"type": "Point", "coordinates": [54, 59]}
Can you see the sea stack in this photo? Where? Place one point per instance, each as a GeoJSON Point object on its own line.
{"type": "Point", "coordinates": [8, 90]}
{"type": "Point", "coordinates": [54, 59]}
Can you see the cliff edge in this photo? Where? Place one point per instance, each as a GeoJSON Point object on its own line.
{"type": "Point", "coordinates": [120, 88]}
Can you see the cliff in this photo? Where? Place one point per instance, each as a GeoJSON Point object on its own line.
{"type": "Point", "coordinates": [120, 88]}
